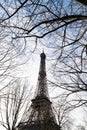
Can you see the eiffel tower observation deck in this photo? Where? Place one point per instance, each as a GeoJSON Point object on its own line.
{"type": "Point", "coordinates": [40, 115]}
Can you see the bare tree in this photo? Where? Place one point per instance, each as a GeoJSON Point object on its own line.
{"type": "Point", "coordinates": [38, 19]}
{"type": "Point", "coordinates": [62, 112]}
{"type": "Point", "coordinates": [13, 104]}
{"type": "Point", "coordinates": [61, 24]}
{"type": "Point", "coordinates": [70, 72]}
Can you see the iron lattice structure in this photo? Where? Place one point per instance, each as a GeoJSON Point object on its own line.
{"type": "Point", "coordinates": [40, 111]}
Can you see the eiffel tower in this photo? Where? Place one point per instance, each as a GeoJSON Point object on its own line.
{"type": "Point", "coordinates": [40, 115]}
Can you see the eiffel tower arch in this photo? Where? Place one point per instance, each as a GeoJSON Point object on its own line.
{"type": "Point", "coordinates": [40, 115]}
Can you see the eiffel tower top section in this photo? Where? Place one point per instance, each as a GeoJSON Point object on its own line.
{"type": "Point", "coordinates": [42, 71]}
{"type": "Point", "coordinates": [42, 91]}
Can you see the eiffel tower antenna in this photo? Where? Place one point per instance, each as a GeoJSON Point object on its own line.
{"type": "Point", "coordinates": [40, 111]}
